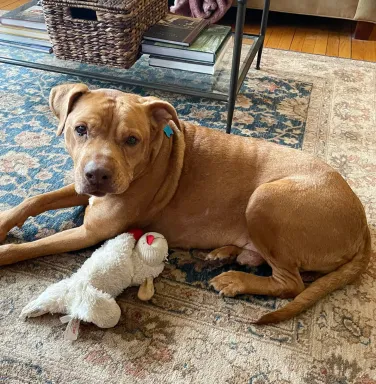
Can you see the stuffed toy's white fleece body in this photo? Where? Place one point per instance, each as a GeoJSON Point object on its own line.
{"type": "Point", "coordinates": [88, 295]}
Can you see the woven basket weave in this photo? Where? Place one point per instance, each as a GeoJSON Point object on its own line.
{"type": "Point", "coordinates": [102, 32]}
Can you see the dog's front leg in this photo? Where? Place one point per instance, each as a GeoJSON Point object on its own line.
{"type": "Point", "coordinates": [62, 198]}
{"type": "Point", "coordinates": [104, 218]}
{"type": "Point", "coordinates": [69, 240]}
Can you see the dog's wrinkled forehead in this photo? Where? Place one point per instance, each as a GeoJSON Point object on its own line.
{"type": "Point", "coordinates": [73, 101]}
{"type": "Point", "coordinates": [109, 98]}
{"type": "Point", "coordinates": [116, 96]}
{"type": "Point", "coordinates": [108, 107]}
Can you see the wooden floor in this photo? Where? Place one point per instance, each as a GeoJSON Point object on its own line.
{"type": "Point", "coordinates": [323, 36]}
{"type": "Point", "coordinates": [11, 4]}
{"type": "Point", "coordinates": [330, 37]}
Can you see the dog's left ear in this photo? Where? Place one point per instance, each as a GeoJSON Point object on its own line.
{"type": "Point", "coordinates": [62, 98]}
{"type": "Point", "coordinates": [160, 112]}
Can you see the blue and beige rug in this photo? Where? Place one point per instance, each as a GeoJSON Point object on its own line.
{"type": "Point", "coordinates": [187, 333]}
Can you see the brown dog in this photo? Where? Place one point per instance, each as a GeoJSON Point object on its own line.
{"type": "Point", "coordinates": [247, 198]}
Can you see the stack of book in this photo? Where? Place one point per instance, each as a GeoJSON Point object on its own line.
{"type": "Point", "coordinates": [25, 27]}
{"type": "Point", "coordinates": [187, 44]}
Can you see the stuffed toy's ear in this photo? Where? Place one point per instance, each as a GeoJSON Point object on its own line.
{"type": "Point", "coordinates": [62, 98]}
{"type": "Point", "coordinates": [161, 112]}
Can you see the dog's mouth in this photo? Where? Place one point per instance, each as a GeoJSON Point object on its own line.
{"type": "Point", "coordinates": [97, 193]}
{"type": "Point", "coordinates": [94, 190]}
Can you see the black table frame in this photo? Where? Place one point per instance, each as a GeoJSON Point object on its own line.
{"type": "Point", "coordinates": [236, 81]}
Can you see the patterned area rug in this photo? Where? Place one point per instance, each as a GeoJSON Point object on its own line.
{"type": "Point", "coordinates": [187, 333]}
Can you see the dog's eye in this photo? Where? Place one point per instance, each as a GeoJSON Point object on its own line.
{"type": "Point", "coordinates": [131, 141]}
{"type": "Point", "coordinates": [81, 130]}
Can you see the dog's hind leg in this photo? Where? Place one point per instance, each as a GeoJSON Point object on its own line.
{"type": "Point", "coordinates": [62, 198]}
{"type": "Point", "coordinates": [265, 232]}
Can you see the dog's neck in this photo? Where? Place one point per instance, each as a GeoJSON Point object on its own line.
{"type": "Point", "coordinates": [169, 160]}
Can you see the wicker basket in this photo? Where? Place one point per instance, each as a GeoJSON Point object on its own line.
{"type": "Point", "coordinates": [102, 32]}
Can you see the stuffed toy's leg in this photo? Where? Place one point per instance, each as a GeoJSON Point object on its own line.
{"type": "Point", "coordinates": [95, 306]}
{"type": "Point", "coordinates": [146, 290]}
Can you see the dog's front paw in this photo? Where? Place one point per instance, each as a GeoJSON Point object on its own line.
{"type": "Point", "coordinates": [230, 283]}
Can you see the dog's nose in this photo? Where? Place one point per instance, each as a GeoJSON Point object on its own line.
{"type": "Point", "coordinates": [97, 174]}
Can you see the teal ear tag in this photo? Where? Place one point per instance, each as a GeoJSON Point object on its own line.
{"type": "Point", "coordinates": [168, 131]}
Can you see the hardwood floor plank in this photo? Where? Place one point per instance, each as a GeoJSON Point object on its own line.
{"type": "Point", "coordinates": [358, 50]}
{"type": "Point", "coordinates": [274, 38]}
{"type": "Point", "coordinates": [298, 40]}
{"type": "Point", "coordinates": [9, 5]}
{"type": "Point", "coordinates": [286, 38]}
{"type": "Point", "coordinates": [269, 32]}
{"type": "Point", "coordinates": [332, 48]}
{"type": "Point", "coordinates": [370, 50]}
{"type": "Point", "coordinates": [344, 47]}
{"type": "Point", "coordinates": [6, 3]}
{"type": "Point", "coordinates": [321, 42]}
{"type": "Point", "coordinates": [345, 41]}
{"type": "Point", "coordinates": [309, 41]}
{"type": "Point", "coordinates": [252, 29]}
{"type": "Point", "coordinates": [3, 3]}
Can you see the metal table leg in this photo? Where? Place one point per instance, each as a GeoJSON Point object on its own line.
{"type": "Point", "coordinates": [264, 23]}
{"type": "Point", "coordinates": [238, 41]}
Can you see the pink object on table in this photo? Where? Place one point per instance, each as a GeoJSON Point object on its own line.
{"type": "Point", "coordinates": [212, 10]}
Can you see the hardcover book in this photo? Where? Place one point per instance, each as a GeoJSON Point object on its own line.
{"type": "Point", "coordinates": [25, 32]}
{"type": "Point", "coordinates": [24, 40]}
{"type": "Point", "coordinates": [176, 29]}
{"type": "Point", "coordinates": [205, 48]}
{"type": "Point", "coordinates": [29, 15]}
{"type": "Point", "coordinates": [191, 65]}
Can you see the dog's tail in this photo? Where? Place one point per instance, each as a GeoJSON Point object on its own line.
{"type": "Point", "coordinates": [323, 286]}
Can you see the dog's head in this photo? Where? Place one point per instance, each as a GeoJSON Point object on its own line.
{"type": "Point", "coordinates": [108, 133]}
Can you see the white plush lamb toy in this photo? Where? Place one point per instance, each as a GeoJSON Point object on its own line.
{"type": "Point", "coordinates": [88, 295]}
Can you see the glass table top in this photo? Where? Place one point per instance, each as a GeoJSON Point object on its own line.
{"type": "Point", "coordinates": [195, 84]}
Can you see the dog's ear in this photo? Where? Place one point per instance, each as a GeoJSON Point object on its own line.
{"type": "Point", "coordinates": [160, 112]}
{"type": "Point", "coordinates": [62, 98]}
